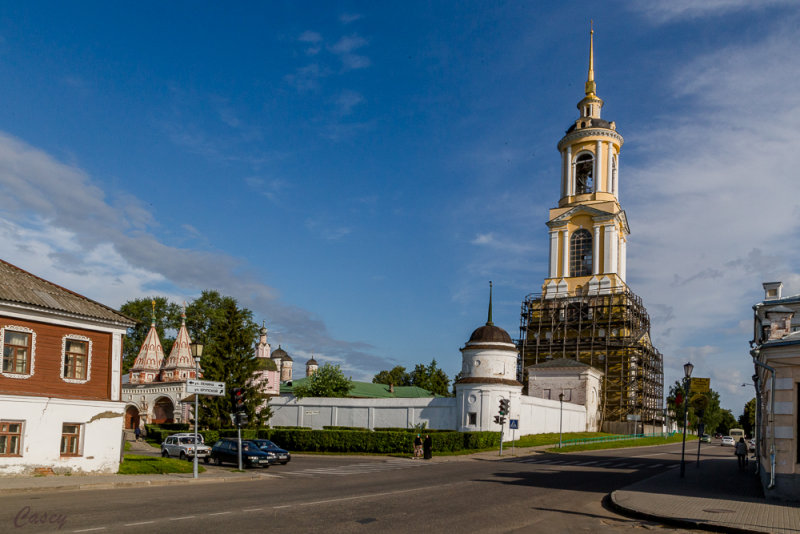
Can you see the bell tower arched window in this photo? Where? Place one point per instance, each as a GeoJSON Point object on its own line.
{"type": "Point", "coordinates": [584, 174]}
{"type": "Point", "coordinates": [580, 253]}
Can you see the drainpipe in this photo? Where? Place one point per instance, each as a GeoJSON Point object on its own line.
{"type": "Point", "coordinates": [771, 419]}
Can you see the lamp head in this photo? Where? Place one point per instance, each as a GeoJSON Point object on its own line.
{"type": "Point", "coordinates": [197, 350]}
{"type": "Point", "coordinates": [687, 369]}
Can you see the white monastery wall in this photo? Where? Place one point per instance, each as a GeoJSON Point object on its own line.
{"type": "Point", "coordinates": [539, 416]}
{"type": "Point", "coordinates": [314, 412]}
{"type": "Point", "coordinates": [43, 417]}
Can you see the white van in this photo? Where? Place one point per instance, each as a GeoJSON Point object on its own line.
{"type": "Point", "coordinates": [736, 433]}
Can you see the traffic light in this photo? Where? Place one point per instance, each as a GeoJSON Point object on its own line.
{"type": "Point", "coordinates": [238, 400]}
{"type": "Point", "coordinates": [503, 407]}
{"type": "Point", "coordinates": [499, 419]}
{"type": "Point", "coordinates": [242, 419]}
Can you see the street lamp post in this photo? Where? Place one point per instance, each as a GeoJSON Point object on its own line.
{"type": "Point", "coordinates": [687, 371]}
{"type": "Point", "coordinates": [560, 416]}
{"type": "Point", "coordinates": [197, 352]}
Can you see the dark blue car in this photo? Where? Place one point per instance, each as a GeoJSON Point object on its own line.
{"type": "Point", "coordinates": [227, 450]}
{"type": "Point", "coordinates": [282, 456]}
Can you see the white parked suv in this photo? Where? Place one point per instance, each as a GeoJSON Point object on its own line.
{"type": "Point", "coordinates": [182, 446]}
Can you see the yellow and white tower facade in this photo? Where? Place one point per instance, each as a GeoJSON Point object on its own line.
{"type": "Point", "coordinates": [588, 229]}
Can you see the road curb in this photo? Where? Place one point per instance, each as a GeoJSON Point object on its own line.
{"type": "Point", "coordinates": [611, 501]}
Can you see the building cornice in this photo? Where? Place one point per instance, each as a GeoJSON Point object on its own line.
{"type": "Point", "coordinates": [589, 132]}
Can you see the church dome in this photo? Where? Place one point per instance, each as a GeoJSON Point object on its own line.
{"type": "Point", "coordinates": [490, 333]}
{"type": "Point", "coordinates": [280, 354]}
{"type": "Point", "coordinates": [312, 361]}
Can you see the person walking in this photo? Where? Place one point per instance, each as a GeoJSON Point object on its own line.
{"type": "Point", "coordinates": [418, 447]}
{"type": "Point", "coordinates": [137, 433]}
{"type": "Point", "coordinates": [427, 447]}
{"type": "Point", "coordinates": [741, 453]}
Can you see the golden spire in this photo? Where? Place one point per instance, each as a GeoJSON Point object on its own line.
{"type": "Point", "coordinates": [591, 88]}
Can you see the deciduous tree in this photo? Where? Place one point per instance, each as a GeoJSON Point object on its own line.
{"type": "Point", "coordinates": [432, 378]}
{"type": "Point", "coordinates": [328, 381]}
{"type": "Point", "coordinates": [397, 376]}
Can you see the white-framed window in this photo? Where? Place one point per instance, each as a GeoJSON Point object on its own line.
{"type": "Point", "coordinates": [472, 418]}
{"type": "Point", "coordinates": [546, 394]}
{"type": "Point", "coordinates": [76, 359]}
{"type": "Point", "coordinates": [19, 351]}
{"type": "Point", "coordinates": [71, 439]}
{"type": "Point", "coordinates": [11, 438]}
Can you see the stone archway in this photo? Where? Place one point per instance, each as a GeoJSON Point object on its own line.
{"type": "Point", "coordinates": [131, 417]}
{"type": "Point", "coordinates": [163, 411]}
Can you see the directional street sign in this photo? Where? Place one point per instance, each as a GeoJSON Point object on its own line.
{"type": "Point", "coordinates": [513, 424]}
{"type": "Point", "coordinates": [205, 387]}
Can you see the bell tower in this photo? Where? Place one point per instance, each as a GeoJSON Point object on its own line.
{"type": "Point", "coordinates": [586, 311]}
{"type": "Point", "coordinates": [588, 229]}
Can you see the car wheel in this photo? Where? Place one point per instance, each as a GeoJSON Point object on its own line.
{"type": "Point", "coordinates": [183, 455]}
{"type": "Point", "coordinates": [164, 454]}
{"type": "Point", "coordinates": [218, 460]}
{"type": "Point", "coordinates": [284, 463]}
{"type": "Point", "coordinates": [205, 460]}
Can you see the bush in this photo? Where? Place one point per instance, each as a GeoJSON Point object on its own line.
{"type": "Point", "coordinates": [343, 428]}
{"type": "Point", "coordinates": [366, 441]}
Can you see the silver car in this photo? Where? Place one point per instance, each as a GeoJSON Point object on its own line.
{"type": "Point", "coordinates": [728, 441]}
{"type": "Point", "coordinates": [183, 446]}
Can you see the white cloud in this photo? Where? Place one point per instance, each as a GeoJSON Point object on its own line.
{"type": "Point", "coordinates": [712, 206]}
{"type": "Point", "coordinates": [327, 230]}
{"type": "Point", "coordinates": [660, 11]}
{"type": "Point", "coordinates": [345, 47]}
{"type": "Point", "coordinates": [309, 37]}
{"type": "Point", "coordinates": [347, 100]}
{"type": "Point", "coordinates": [347, 18]}
{"type": "Point", "coordinates": [74, 237]}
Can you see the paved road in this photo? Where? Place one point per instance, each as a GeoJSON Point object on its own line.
{"type": "Point", "coordinates": [556, 493]}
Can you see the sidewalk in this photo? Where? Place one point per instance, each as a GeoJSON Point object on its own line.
{"type": "Point", "coordinates": [27, 483]}
{"type": "Point", "coordinates": [715, 496]}
{"type": "Point", "coordinates": [22, 484]}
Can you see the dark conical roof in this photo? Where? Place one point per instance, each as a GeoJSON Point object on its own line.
{"type": "Point", "coordinates": [490, 332]}
{"type": "Point", "coordinates": [280, 354]}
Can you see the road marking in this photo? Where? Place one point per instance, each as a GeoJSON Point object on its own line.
{"type": "Point", "coordinates": [90, 529]}
{"type": "Point", "coordinates": [252, 509]}
{"type": "Point", "coordinates": [655, 465]}
{"type": "Point", "coordinates": [356, 497]}
{"type": "Point", "coordinates": [179, 518]}
{"type": "Point", "coordinates": [220, 513]}
{"type": "Point", "coordinates": [137, 524]}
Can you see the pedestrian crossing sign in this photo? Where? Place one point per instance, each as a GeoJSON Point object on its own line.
{"type": "Point", "coordinates": [513, 424]}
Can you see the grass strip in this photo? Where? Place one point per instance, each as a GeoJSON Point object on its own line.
{"type": "Point", "coordinates": [634, 442]}
{"type": "Point", "coordinates": [152, 465]}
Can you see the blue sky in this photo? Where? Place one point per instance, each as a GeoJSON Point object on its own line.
{"type": "Point", "coordinates": [356, 173]}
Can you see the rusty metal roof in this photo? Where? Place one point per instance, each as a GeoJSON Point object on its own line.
{"type": "Point", "coordinates": [21, 287]}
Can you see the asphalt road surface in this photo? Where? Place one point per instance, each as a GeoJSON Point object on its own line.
{"type": "Point", "coordinates": [541, 492]}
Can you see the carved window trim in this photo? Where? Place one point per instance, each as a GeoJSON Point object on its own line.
{"type": "Point", "coordinates": [31, 366]}
{"type": "Point", "coordinates": [88, 342]}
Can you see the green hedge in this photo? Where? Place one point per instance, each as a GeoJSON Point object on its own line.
{"type": "Point", "coordinates": [366, 441]}
{"type": "Point", "coordinates": [411, 430]}
{"type": "Point", "coordinates": [347, 440]}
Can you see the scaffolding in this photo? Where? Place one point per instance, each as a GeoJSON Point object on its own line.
{"type": "Point", "coordinates": [610, 332]}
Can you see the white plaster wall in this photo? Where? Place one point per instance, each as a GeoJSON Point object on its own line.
{"type": "Point", "coordinates": [437, 413]}
{"type": "Point", "coordinates": [43, 418]}
{"type": "Point", "coordinates": [535, 416]}
{"type": "Point", "coordinates": [478, 362]}
{"type": "Point", "coordinates": [540, 416]}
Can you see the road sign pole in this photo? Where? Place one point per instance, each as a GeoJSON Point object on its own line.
{"type": "Point", "coordinates": [196, 444]}
{"type": "Point", "coordinates": [239, 434]}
